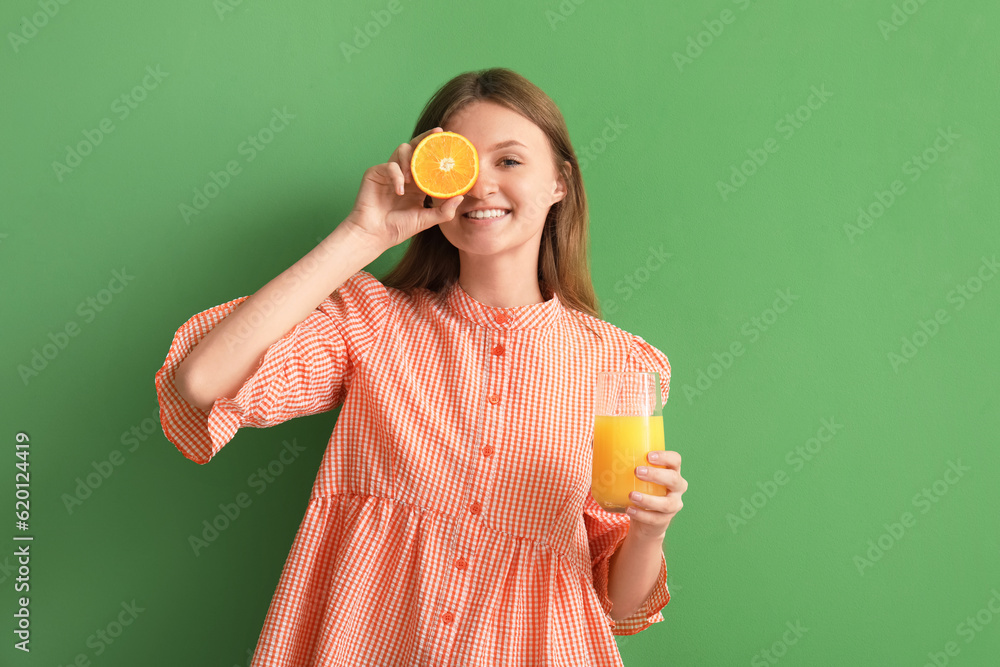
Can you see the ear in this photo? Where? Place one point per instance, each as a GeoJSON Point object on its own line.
{"type": "Point", "coordinates": [559, 193]}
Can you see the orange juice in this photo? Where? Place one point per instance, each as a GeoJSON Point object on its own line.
{"type": "Point", "coordinates": [620, 446]}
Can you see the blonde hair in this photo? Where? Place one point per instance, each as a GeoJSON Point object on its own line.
{"type": "Point", "coordinates": [432, 262]}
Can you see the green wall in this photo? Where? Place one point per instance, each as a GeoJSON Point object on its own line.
{"type": "Point", "coordinates": [831, 372]}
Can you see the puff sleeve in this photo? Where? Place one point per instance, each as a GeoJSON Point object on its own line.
{"type": "Point", "coordinates": [607, 530]}
{"type": "Point", "coordinates": [305, 372]}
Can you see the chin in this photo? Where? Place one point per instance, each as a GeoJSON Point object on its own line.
{"type": "Point", "coordinates": [483, 249]}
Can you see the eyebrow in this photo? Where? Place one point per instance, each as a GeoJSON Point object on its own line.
{"type": "Point", "coordinates": [505, 144]}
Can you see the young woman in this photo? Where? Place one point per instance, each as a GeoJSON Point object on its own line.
{"type": "Point", "coordinates": [451, 522]}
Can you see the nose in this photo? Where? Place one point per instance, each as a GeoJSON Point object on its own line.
{"type": "Point", "coordinates": [484, 186]}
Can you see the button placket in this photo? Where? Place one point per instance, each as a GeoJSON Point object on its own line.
{"type": "Point", "coordinates": [464, 549]}
{"type": "Point", "coordinates": [502, 333]}
{"type": "Point", "coordinates": [497, 365]}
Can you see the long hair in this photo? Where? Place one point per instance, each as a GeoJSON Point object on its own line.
{"type": "Point", "coordinates": [432, 262]}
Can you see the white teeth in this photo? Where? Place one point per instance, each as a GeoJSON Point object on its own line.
{"type": "Point", "coordinates": [489, 213]}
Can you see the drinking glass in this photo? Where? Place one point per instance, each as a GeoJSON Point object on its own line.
{"type": "Point", "coordinates": [628, 424]}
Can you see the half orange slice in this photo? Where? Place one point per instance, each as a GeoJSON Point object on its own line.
{"type": "Point", "coordinates": [444, 165]}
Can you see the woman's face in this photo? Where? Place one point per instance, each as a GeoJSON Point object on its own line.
{"type": "Point", "coordinates": [519, 177]}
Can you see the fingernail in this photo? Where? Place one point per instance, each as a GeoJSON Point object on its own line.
{"type": "Point", "coordinates": [642, 470]}
{"type": "Point", "coordinates": [635, 495]}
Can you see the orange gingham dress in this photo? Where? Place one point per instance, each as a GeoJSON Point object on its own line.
{"type": "Point", "coordinates": [451, 522]}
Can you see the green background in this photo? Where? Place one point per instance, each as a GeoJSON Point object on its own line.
{"type": "Point", "coordinates": [857, 296]}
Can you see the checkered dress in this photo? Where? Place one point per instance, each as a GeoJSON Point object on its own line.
{"type": "Point", "coordinates": [451, 521]}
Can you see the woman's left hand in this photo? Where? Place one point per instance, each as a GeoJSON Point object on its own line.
{"type": "Point", "coordinates": [651, 515]}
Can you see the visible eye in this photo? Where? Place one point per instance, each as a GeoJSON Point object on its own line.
{"type": "Point", "coordinates": [510, 159]}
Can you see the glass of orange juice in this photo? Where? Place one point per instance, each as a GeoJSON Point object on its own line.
{"type": "Point", "coordinates": [628, 424]}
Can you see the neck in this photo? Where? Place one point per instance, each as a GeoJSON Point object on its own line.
{"type": "Point", "coordinates": [500, 281]}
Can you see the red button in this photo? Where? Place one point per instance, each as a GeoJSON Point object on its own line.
{"type": "Point", "coordinates": [447, 617]}
{"type": "Point", "coordinates": [494, 398]}
{"type": "Point", "coordinates": [488, 450]}
{"type": "Point", "coordinates": [501, 318]}
{"type": "Point", "coordinates": [498, 350]}
{"type": "Point", "coordinates": [475, 508]}
{"type": "Point", "coordinates": [460, 563]}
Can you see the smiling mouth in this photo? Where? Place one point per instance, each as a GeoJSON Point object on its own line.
{"type": "Point", "coordinates": [489, 218]}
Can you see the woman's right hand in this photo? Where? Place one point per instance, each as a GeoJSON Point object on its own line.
{"type": "Point", "coordinates": [389, 207]}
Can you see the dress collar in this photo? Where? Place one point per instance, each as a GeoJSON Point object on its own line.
{"type": "Point", "coordinates": [530, 316]}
